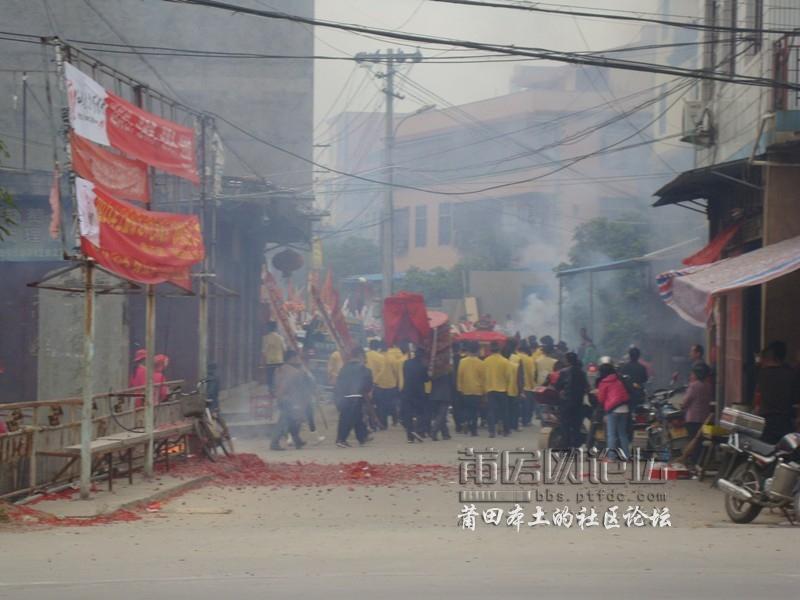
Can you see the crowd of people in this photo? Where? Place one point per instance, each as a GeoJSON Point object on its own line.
{"type": "Point", "coordinates": [499, 389]}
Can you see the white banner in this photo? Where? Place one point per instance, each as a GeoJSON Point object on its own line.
{"type": "Point", "coordinates": [87, 105]}
{"type": "Point", "coordinates": [88, 222]}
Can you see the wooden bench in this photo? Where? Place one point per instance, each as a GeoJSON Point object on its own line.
{"type": "Point", "coordinates": [123, 444]}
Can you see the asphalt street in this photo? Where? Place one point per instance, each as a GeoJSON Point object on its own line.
{"type": "Point", "coordinates": [398, 541]}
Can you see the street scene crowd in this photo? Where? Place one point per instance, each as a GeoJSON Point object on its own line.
{"type": "Point", "coordinates": [499, 389]}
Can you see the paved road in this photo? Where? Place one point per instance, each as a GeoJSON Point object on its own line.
{"type": "Point", "coordinates": [395, 542]}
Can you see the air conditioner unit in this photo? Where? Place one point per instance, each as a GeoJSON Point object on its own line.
{"type": "Point", "coordinates": [697, 128]}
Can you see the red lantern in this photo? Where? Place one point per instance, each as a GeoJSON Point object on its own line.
{"type": "Point", "coordinates": [287, 261]}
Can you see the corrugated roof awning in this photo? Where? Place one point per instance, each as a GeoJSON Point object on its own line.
{"type": "Point", "coordinates": [706, 182]}
{"type": "Point", "coordinates": [690, 291]}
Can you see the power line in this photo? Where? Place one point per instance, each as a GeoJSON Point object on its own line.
{"type": "Point", "coordinates": [590, 77]}
{"type": "Point", "coordinates": [570, 139]}
{"type": "Point", "coordinates": [542, 53]}
{"type": "Point", "coordinates": [171, 52]}
{"type": "Point", "coordinates": [615, 17]}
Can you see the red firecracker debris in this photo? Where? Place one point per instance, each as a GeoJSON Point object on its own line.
{"type": "Point", "coordinates": [246, 470]}
{"type": "Point", "coordinates": [250, 470]}
{"type": "Point", "coordinates": [25, 515]}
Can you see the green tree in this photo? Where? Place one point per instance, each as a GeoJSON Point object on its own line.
{"type": "Point", "coordinates": [609, 240]}
{"type": "Point", "coordinates": [351, 256]}
{"type": "Point", "coordinates": [620, 297]}
{"type": "Point", "coordinates": [8, 209]}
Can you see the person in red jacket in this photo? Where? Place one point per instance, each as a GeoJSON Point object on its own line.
{"type": "Point", "coordinates": [613, 397]}
{"type": "Point", "coordinates": [161, 390]}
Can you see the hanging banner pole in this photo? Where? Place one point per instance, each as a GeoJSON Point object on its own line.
{"type": "Point", "coordinates": [150, 344]}
{"type": "Point", "coordinates": [202, 309]}
{"type": "Point", "coordinates": [88, 363]}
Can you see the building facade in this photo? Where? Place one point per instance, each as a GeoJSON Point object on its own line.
{"type": "Point", "coordinates": [747, 142]}
{"type": "Point", "coordinates": [261, 197]}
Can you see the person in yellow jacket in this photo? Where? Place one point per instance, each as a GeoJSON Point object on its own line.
{"type": "Point", "coordinates": [515, 377]}
{"type": "Point", "coordinates": [272, 350]}
{"type": "Point", "coordinates": [536, 348]}
{"type": "Point", "coordinates": [546, 361]}
{"type": "Point", "coordinates": [375, 362]}
{"type": "Point", "coordinates": [384, 379]}
{"type": "Point", "coordinates": [528, 366]}
{"type": "Point", "coordinates": [497, 369]}
{"type": "Point", "coordinates": [471, 384]}
{"type": "Point", "coordinates": [395, 357]}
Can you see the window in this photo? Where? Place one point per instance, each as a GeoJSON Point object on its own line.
{"type": "Point", "coordinates": [420, 226]}
{"type": "Point", "coordinates": [753, 18]}
{"type": "Point", "coordinates": [729, 18]}
{"type": "Point", "coordinates": [445, 223]}
{"type": "Point", "coordinates": [401, 229]}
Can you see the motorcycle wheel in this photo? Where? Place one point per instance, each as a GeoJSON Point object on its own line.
{"type": "Point", "coordinates": [225, 440]}
{"type": "Point", "coordinates": [556, 439]}
{"type": "Point", "coordinates": [739, 511]}
{"type": "Point", "coordinates": [796, 505]}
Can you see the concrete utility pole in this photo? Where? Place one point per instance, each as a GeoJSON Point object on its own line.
{"type": "Point", "coordinates": [390, 58]}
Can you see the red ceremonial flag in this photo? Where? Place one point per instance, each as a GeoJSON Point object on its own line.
{"type": "Point", "coordinates": [329, 296]}
{"type": "Point", "coordinates": [123, 177]}
{"type": "Point", "coordinates": [335, 322]}
{"type": "Point", "coordinates": [143, 246]}
{"type": "Point", "coordinates": [158, 142]}
{"type": "Point", "coordinates": [713, 250]}
{"type": "Point", "coordinates": [342, 330]}
{"type": "Point", "coordinates": [274, 298]}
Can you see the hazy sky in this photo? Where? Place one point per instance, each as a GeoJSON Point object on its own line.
{"type": "Point", "coordinates": [456, 83]}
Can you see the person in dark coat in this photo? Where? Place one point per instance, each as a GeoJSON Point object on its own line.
{"type": "Point", "coordinates": [637, 376]}
{"type": "Point", "coordinates": [573, 386]}
{"type": "Point", "coordinates": [212, 387]}
{"type": "Point", "coordinates": [293, 388]}
{"type": "Point", "coordinates": [415, 376]}
{"type": "Point", "coordinates": [440, 397]}
{"type": "Point", "coordinates": [353, 386]}
{"type": "Point", "coordinates": [777, 393]}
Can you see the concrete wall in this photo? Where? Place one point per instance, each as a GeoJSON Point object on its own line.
{"type": "Point", "coordinates": [737, 109]}
{"type": "Point", "coordinates": [60, 355]}
{"type": "Point", "coordinates": [271, 98]}
{"type": "Point", "coordinates": [781, 297]}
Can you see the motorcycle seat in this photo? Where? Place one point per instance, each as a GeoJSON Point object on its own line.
{"type": "Point", "coordinates": [759, 447]}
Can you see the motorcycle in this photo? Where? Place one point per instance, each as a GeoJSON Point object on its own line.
{"type": "Point", "coordinates": [757, 475]}
{"type": "Point", "coordinates": [547, 399]}
{"type": "Point", "coordinates": [658, 425]}
{"type": "Point", "coordinates": [549, 402]}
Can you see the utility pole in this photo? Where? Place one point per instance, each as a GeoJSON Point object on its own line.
{"type": "Point", "coordinates": [390, 58]}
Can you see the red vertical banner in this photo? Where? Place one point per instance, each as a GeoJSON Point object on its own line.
{"type": "Point", "coordinates": [274, 299]}
{"type": "Point", "coordinates": [334, 322]}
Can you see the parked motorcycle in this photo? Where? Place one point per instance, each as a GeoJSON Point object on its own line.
{"type": "Point", "coordinates": [658, 425]}
{"type": "Point", "coordinates": [757, 475]}
{"type": "Point", "coordinates": [549, 402]}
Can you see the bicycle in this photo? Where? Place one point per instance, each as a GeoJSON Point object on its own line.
{"type": "Point", "coordinates": [209, 426]}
